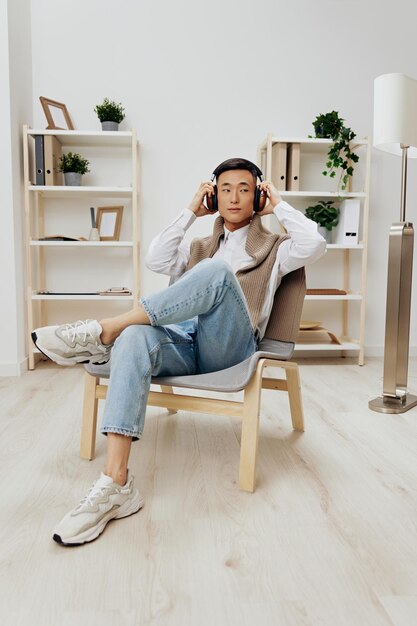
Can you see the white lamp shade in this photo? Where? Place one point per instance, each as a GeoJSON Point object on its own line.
{"type": "Point", "coordinates": [395, 113]}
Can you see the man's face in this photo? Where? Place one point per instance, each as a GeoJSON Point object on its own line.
{"type": "Point", "coordinates": [235, 193]}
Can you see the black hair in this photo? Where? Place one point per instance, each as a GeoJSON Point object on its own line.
{"type": "Point", "coordinates": [238, 164]}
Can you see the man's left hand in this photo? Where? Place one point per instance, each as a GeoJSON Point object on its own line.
{"type": "Point", "coordinates": [273, 197]}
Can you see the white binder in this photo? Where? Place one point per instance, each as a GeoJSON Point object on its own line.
{"type": "Point", "coordinates": [347, 231]}
{"type": "Point", "coordinates": [279, 165]}
{"type": "Point", "coordinates": [293, 167]}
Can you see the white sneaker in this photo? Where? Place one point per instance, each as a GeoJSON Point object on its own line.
{"type": "Point", "coordinates": [104, 501]}
{"type": "Point", "coordinates": [69, 344]}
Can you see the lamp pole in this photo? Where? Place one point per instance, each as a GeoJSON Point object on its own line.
{"type": "Point", "coordinates": [395, 397]}
{"type": "Point", "coordinates": [404, 162]}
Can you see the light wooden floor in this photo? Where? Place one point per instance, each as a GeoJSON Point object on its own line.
{"type": "Point", "coordinates": [328, 539]}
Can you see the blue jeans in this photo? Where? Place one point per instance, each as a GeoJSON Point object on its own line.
{"type": "Point", "coordinates": [199, 324]}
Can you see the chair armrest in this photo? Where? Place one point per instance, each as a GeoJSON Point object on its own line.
{"type": "Point", "coordinates": [282, 349]}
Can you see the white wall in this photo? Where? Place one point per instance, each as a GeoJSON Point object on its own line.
{"type": "Point", "coordinates": [16, 108]}
{"type": "Point", "coordinates": [205, 81]}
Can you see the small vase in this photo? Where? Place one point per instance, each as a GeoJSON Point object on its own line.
{"type": "Point", "coordinates": [72, 179]}
{"type": "Point", "coordinates": [109, 126]}
{"type": "Point", "coordinates": [327, 234]}
{"type": "Point", "coordinates": [94, 235]}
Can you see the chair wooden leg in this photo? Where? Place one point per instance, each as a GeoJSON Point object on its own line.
{"type": "Point", "coordinates": [250, 430]}
{"type": "Point", "coordinates": [89, 422]}
{"type": "Point", "coordinates": [168, 389]}
{"type": "Point", "coordinates": [294, 396]}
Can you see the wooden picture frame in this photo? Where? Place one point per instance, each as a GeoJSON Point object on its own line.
{"type": "Point", "coordinates": [56, 114]}
{"type": "Point", "coordinates": [109, 221]}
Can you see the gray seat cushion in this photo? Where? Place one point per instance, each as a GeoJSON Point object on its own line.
{"type": "Point", "coordinates": [231, 379]}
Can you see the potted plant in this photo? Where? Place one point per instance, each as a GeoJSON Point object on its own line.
{"type": "Point", "coordinates": [325, 215]}
{"type": "Point", "coordinates": [74, 166]}
{"type": "Point", "coordinates": [339, 156]}
{"type": "Point", "coordinates": [110, 114]}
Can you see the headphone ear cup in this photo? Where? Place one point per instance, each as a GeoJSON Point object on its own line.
{"type": "Point", "coordinates": [262, 200]}
{"type": "Point", "coordinates": [212, 203]}
{"type": "Point", "coordinates": [256, 199]}
{"type": "Point", "coordinates": [259, 200]}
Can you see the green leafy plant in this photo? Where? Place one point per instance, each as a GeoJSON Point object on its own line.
{"type": "Point", "coordinates": [339, 156]}
{"type": "Point", "coordinates": [328, 125]}
{"type": "Point", "coordinates": [110, 111]}
{"type": "Point", "coordinates": [73, 162]}
{"type": "Point", "coordinates": [324, 213]}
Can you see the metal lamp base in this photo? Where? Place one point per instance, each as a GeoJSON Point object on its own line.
{"type": "Point", "coordinates": [385, 404]}
{"type": "Point", "coordinates": [395, 398]}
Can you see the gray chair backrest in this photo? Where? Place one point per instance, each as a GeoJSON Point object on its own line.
{"type": "Point", "coordinates": [284, 321]}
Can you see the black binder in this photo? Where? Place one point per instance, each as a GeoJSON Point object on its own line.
{"type": "Point", "coordinates": [39, 160]}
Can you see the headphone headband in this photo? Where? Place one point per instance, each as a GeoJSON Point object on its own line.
{"type": "Point", "coordinates": [237, 164]}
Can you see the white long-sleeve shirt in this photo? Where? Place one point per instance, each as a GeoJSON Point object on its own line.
{"type": "Point", "coordinates": [169, 254]}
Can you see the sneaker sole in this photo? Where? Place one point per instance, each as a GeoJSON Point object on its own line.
{"type": "Point", "coordinates": [133, 506]}
{"type": "Point", "coordinates": [69, 361]}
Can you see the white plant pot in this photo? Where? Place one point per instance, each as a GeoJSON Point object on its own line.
{"type": "Point", "coordinates": [109, 126]}
{"type": "Point", "coordinates": [72, 179]}
{"type": "Point", "coordinates": [327, 234]}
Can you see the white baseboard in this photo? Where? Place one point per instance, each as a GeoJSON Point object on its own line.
{"type": "Point", "coordinates": [14, 369]}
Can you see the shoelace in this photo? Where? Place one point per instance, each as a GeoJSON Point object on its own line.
{"type": "Point", "coordinates": [93, 493]}
{"type": "Point", "coordinates": [79, 329]}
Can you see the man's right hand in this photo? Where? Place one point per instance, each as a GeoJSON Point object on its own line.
{"type": "Point", "coordinates": [197, 205]}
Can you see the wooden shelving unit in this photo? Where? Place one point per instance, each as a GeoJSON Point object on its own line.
{"type": "Point", "coordinates": [42, 200]}
{"type": "Point", "coordinates": [347, 311]}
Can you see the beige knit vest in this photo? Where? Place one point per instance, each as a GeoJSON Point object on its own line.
{"type": "Point", "coordinates": [261, 245]}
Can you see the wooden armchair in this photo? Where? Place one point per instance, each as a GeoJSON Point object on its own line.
{"type": "Point", "coordinates": [275, 350]}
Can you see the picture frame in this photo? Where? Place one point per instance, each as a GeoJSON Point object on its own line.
{"type": "Point", "coordinates": [56, 114]}
{"type": "Point", "coordinates": [109, 221]}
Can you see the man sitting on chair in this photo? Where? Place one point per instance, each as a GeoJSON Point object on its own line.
{"type": "Point", "coordinates": [210, 318]}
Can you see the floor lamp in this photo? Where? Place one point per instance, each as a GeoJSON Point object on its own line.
{"type": "Point", "coordinates": [395, 131]}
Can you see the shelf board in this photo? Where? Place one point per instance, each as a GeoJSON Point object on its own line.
{"type": "Point", "coordinates": [322, 194]}
{"type": "Point", "coordinates": [83, 244]}
{"type": "Point", "coordinates": [348, 296]}
{"type": "Point", "coordinates": [311, 144]}
{"type": "Point", "coordinates": [62, 191]}
{"type": "Point", "coordinates": [36, 296]}
{"type": "Point", "coordinates": [341, 246]}
{"type": "Point", "coordinates": [346, 345]}
{"type": "Point", "coordinates": [88, 137]}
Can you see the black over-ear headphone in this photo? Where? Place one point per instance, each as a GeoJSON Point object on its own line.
{"type": "Point", "coordinates": [259, 200]}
